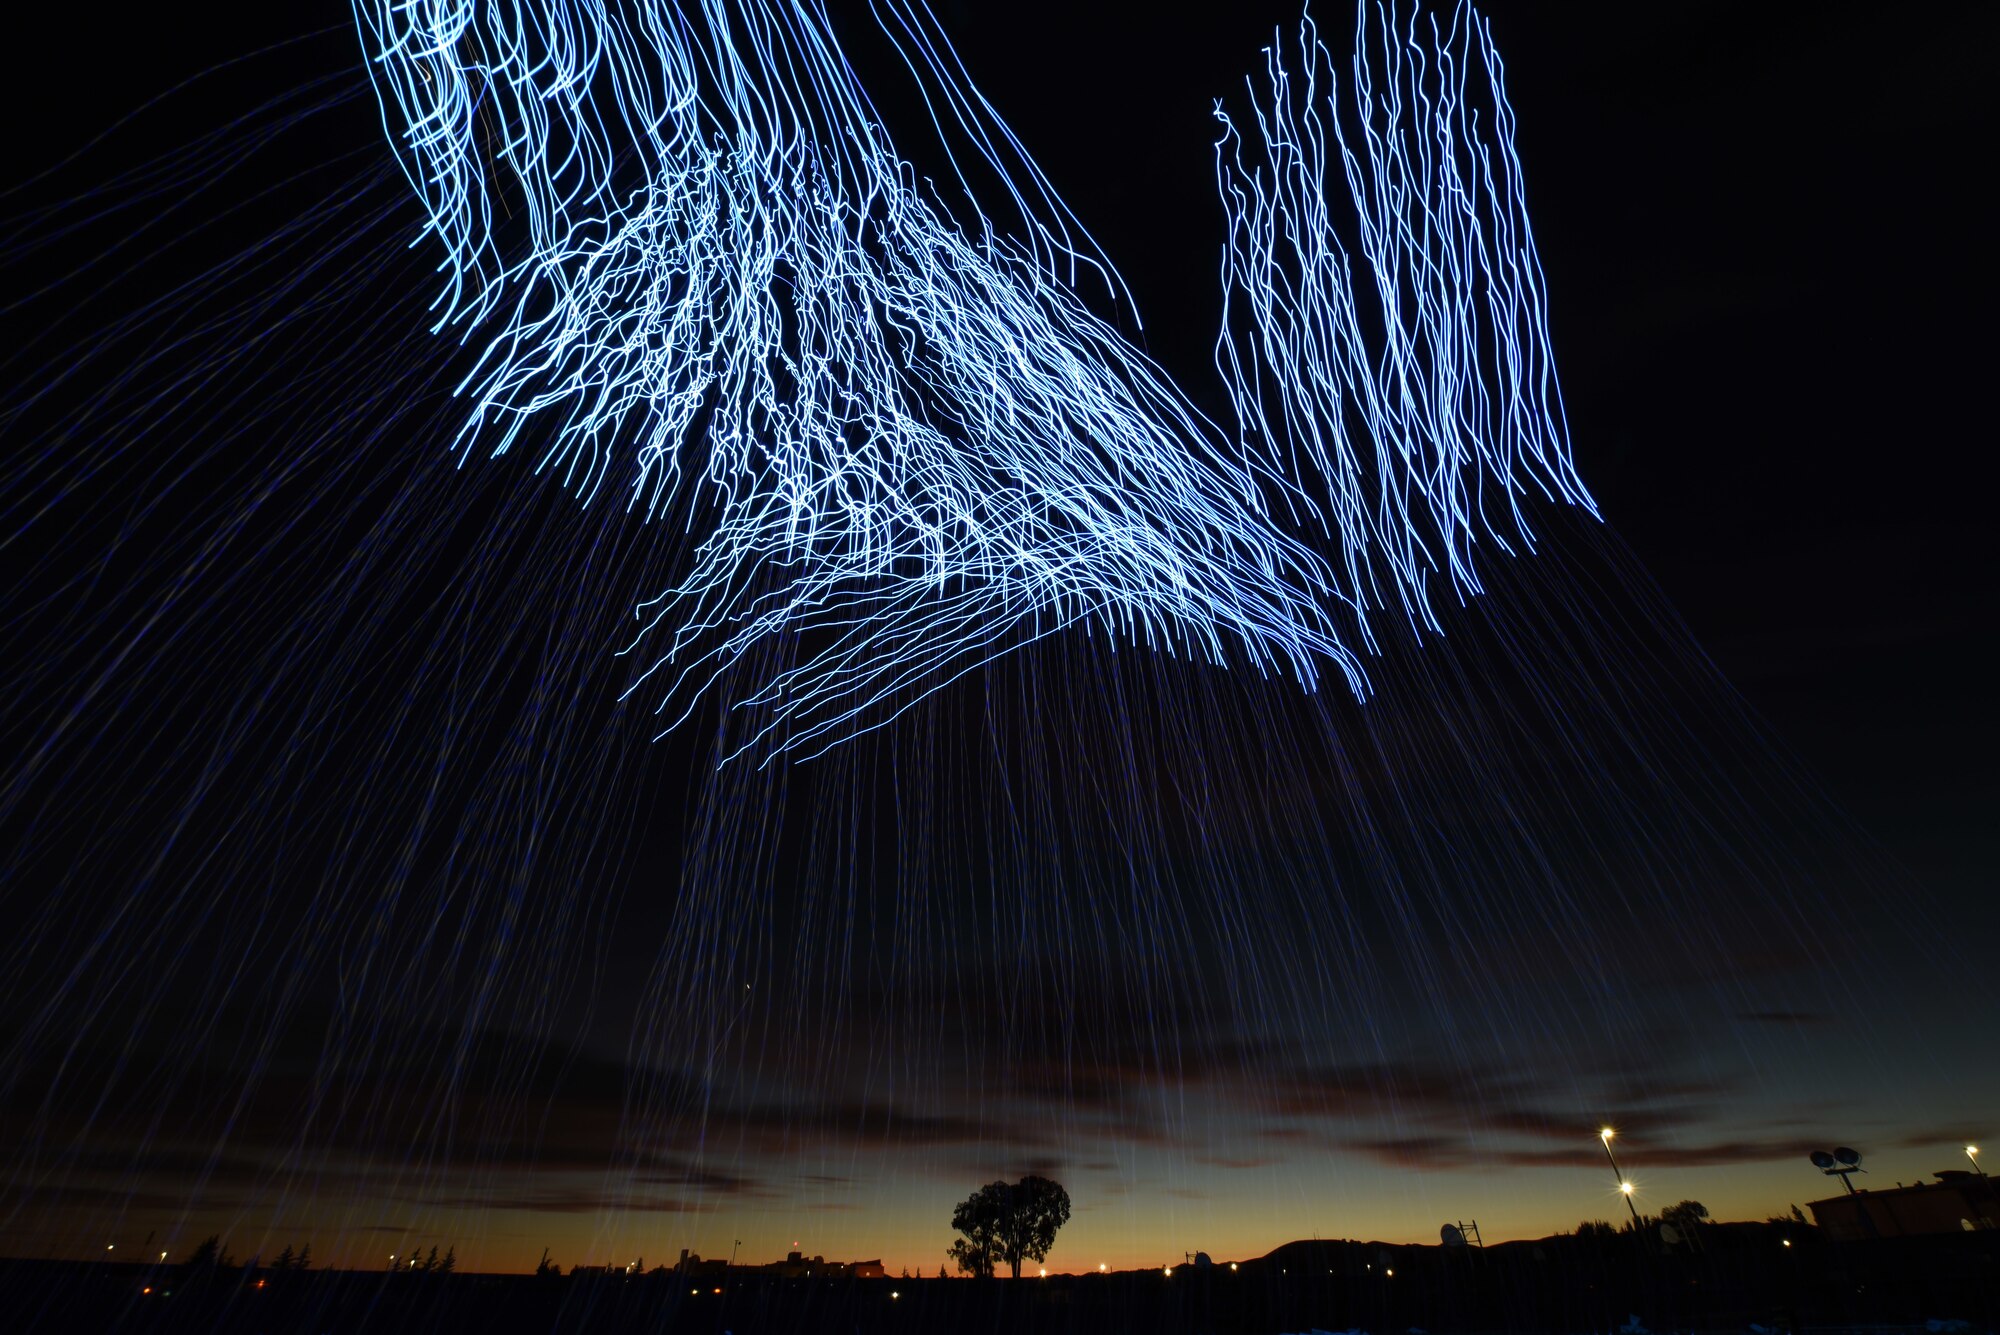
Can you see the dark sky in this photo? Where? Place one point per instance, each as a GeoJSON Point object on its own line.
{"type": "Point", "coordinates": [322, 808]}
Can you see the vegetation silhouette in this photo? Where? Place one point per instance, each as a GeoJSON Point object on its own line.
{"type": "Point", "coordinates": [1009, 1222]}
{"type": "Point", "coordinates": [1686, 1215]}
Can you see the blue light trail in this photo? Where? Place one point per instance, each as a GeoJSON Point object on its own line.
{"type": "Point", "coordinates": [1407, 404]}
{"type": "Point", "coordinates": [900, 445]}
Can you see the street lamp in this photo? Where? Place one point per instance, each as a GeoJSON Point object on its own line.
{"type": "Point", "coordinates": [1624, 1187]}
{"type": "Point", "coordinates": [1972, 1153]}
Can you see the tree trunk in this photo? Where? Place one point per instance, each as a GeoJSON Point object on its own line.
{"type": "Point", "coordinates": [1015, 1262]}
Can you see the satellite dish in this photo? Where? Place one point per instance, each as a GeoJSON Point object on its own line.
{"type": "Point", "coordinates": [1847, 1156]}
{"type": "Point", "coordinates": [1669, 1234]}
{"type": "Point", "coordinates": [1821, 1159]}
{"type": "Point", "coordinates": [1451, 1236]}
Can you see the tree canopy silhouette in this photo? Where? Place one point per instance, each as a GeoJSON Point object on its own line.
{"type": "Point", "coordinates": [1009, 1222]}
{"type": "Point", "coordinates": [1687, 1214]}
{"type": "Point", "coordinates": [209, 1254]}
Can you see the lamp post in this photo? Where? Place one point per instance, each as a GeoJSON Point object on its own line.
{"type": "Point", "coordinates": [1972, 1153]}
{"type": "Point", "coordinates": [1624, 1187]}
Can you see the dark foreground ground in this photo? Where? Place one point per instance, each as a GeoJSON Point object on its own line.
{"type": "Point", "coordinates": [1742, 1275]}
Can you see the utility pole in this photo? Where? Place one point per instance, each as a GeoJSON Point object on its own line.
{"type": "Point", "coordinates": [1624, 1187]}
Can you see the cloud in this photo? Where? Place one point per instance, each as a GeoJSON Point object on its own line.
{"type": "Point", "coordinates": [569, 1202]}
{"type": "Point", "coordinates": [1450, 1153]}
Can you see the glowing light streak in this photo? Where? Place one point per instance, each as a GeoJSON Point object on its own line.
{"type": "Point", "coordinates": [1402, 390]}
{"type": "Point", "coordinates": [899, 451]}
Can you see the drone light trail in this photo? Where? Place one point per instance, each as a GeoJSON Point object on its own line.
{"type": "Point", "coordinates": [1407, 394]}
{"type": "Point", "coordinates": [900, 447]}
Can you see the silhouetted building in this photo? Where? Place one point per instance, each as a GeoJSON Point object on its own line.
{"type": "Point", "coordinates": [796, 1265]}
{"type": "Point", "coordinates": [692, 1264]}
{"type": "Point", "coordinates": [1959, 1201]}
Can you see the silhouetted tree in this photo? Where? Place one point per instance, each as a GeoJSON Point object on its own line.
{"type": "Point", "coordinates": [1037, 1207]}
{"type": "Point", "coordinates": [207, 1254]}
{"type": "Point", "coordinates": [545, 1270]}
{"type": "Point", "coordinates": [285, 1259]}
{"type": "Point", "coordinates": [304, 1261]}
{"type": "Point", "coordinates": [1008, 1222]}
{"type": "Point", "coordinates": [1685, 1215]}
{"type": "Point", "coordinates": [1799, 1216]}
{"type": "Point", "coordinates": [1596, 1228]}
{"type": "Point", "coordinates": [978, 1217]}
{"type": "Point", "coordinates": [431, 1261]}
{"type": "Point", "coordinates": [450, 1262]}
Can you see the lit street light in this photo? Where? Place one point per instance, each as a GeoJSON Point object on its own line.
{"type": "Point", "coordinates": [1972, 1153]}
{"type": "Point", "coordinates": [1624, 1187]}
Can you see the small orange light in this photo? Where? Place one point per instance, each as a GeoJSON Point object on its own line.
{"type": "Point", "coordinates": [147, 1289]}
{"type": "Point", "coordinates": [260, 1283]}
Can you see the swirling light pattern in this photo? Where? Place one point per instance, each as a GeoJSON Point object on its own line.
{"type": "Point", "coordinates": [902, 445]}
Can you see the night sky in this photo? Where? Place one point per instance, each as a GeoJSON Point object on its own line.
{"type": "Point", "coordinates": [351, 906]}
